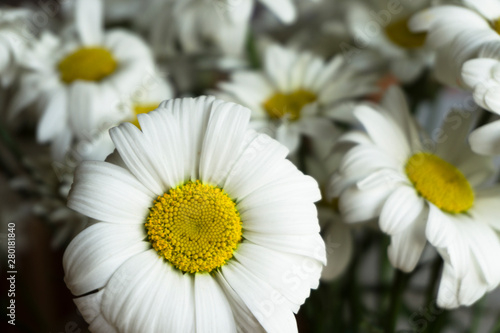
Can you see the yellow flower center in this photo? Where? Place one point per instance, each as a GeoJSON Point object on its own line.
{"type": "Point", "coordinates": [440, 182]}
{"type": "Point", "coordinates": [87, 64]}
{"type": "Point", "coordinates": [279, 104]}
{"type": "Point", "coordinates": [143, 108]}
{"type": "Point", "coordinates": [399, 33]}
{"type": "Point", "coordinates": [195, 226]}
{"type": "Point", "coordinates": [496, 25]}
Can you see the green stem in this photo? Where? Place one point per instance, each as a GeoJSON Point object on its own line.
{"type": "Point", "coordinates": [398, 285]}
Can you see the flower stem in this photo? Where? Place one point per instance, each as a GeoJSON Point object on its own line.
{"type": "Point", "coordinates": [398, 285]}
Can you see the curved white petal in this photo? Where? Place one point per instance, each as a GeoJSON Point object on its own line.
{"type": "Point", "coordinates": [90, 308]}
{"type": "Point", "coordinates": [267, 305]}
{"type": "Point", "coordinates": [339, 249]}
{"type": "Point", "coordinates": [95, 254]}
{"type": "Point", "coordinates": [219, 152]}
{"type": "Point", "coordinates": [290, 275]}
{"type": "Point", "coordinates": [401, 209]}
{"type": "Point", "coordinates": [407, 246]}
{"type": "Point", "coordinates": [146, 294]}
{"type": "Point", "coordinates": [109, 193]}
{"type": "Point", "coordinates": [90, 21]}
{"type": "Point", "coordinates": [212, 309]}
{"type": "Point", "coordinates": [384, 132]}
{"type": "Point", "coordinates": [486, 139]}
{"type": "Point", "coordinates": [308, 245]}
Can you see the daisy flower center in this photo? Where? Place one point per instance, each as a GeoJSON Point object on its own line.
{"type": "Point", "coordinates": [143, 108]}
{"type": "Point", "coordinates": [279, 104]}
{"type": "Point", "coordinates": [399, 33]}
{"type": "Point", "coordinates": [87, 64]}
{"type": "Point", "coordinates": [496, 25]}
{"type": "Point", "coordinates": [440, 183]}
{"type": "Point", "coordinates": [195, 226]}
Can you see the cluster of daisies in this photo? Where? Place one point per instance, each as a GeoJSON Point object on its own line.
{"type": "Point", "coordinates": [216, 159]}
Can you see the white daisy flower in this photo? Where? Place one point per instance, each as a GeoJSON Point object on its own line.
{"type": "Point", "coordinates": [422, 192]}
{"type": "Point", "coordinates": [457, 33]}
{"type": "Point", "coordinates": [77, 81]}
{"type": "Point", "coordinates": [383, 28]}
{"type": "Point", "coordinates": [204, 226]}
{"type": "Point", "coordinates": [482, 75]}
{"type": "Point", "coordinates": [296, 92]}
{"type": "Point", "coordinates": [14, 39]}
{"type": "Point", "coordinates": [198, 25]}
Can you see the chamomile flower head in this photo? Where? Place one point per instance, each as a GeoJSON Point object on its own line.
{"type": "Point", "coordinates": [457, 33]}
{"type": "Point", "coordinates": [382, 26]}
{"type": "Point", "coordinates": [203, 226]}
{"type": "Point", "coordinates": [14, 39]}
{"type": "Point", "coordinates": [200, 25]}
{"type": "Point", "coordinates": [422, 192]}
{"type": "Point", "coordinates": [77, 81]}
{"type": "Point", "coordinates": [296, 92]}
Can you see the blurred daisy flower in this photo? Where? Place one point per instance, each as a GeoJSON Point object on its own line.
{"type": "Point", "coordinates": [77, 81]}
{"type": "Point", "coordinates": [382, 26]}
{"type": "Point", "coordinates": [424, 192]}
{"type": "Point", "coordinates": [457, 33]}
{"type": "Point", "coordinates": [205, 25]}
{"type": "Point", "coordinates": [296, 93]}
{"type": "Point", "coordinates": [203, 226]}
{"type": "Point", "coordinates": [14, 39]}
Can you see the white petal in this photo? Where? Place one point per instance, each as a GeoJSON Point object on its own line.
{"type": "Point", "coordinates": [54, 118]}
{"type": "Point", "coordinates": [109, 193]}
{"type": "Point", "coordinates": [290, 275]}
{"type": "Point", "coordinates": [486, 206]}
{"type": "Point", "coordinates": [192, 115]}
{"type": "Point", "coordinates": [476, 71]}
{"type": "Point", "coordinates": [260, 162]}
{"type": "Point", "coordinates": [223, 141]}
{"type": "Point", "coordinates": [283, 191]}
{"type": "Point", "coordinates": [139, 157]}
{"type": "Point", "coordinates": [486, 139]}
{"type": "Point", "coordinates": [384, 132]}
{"type": "Point", "coordinates": [401, 210]}
{"type": "Point", "coordinates": [278, 61]}
{"type": "Point", "coordinates": [213, 311]}
{"type": "Point", "coordinates": [90, 308]}
{"type": "Point", "coordinates": [244, 318]}
{"type": "Point", "coordinates": [299, 218]}
{"type": "Point", "coordinates": [339, 248]}
{"type": "Point", "coordinates": [362, 205]}
{"type": "Point", "coordinates": [407, 246]}
{"type": "Point", "coordinates": [289, 135]}
{"type": "Point", "coordinates": [265, 302]}
{"type": "Point", "coordinates": [442, 233]}
{"type": "Point", "coordinates": [95, 254]}
{"type": "Point", "coordinates": [146, 294]}
{"type": "Point", "coordinates": [284, 9]}
{"type": "Point", "coordinates": [162, 131]}
{"type": "Point", "coordinates": [90, 21]}
{"type": "Point", "coordinates": [488, 8]}
{"type": "Point", "coordinates": [394, 101]}
{"type": "Point", "coordinates": [311, 245]}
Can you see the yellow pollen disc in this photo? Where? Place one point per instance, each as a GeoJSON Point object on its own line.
{"type": "Point", "coordinates": [143, 108]}
{"type": "Point", "coordinates": [88, 64]}
{"type": "Point", "coordinates": [440, 183]}
{"type": "Point", "coordinates": [496, 25]}
{"type": "Point", "coordinates": [399, 33]}
{"type": "Point", "coordinates": [195, 226]}
{"type": "Point", "coordinates": [279, 104]}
